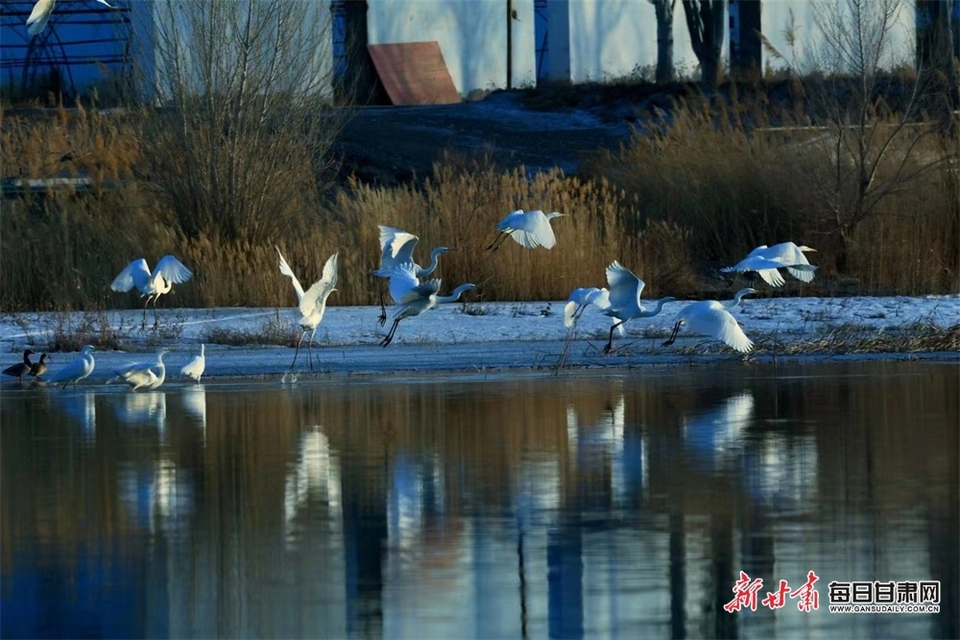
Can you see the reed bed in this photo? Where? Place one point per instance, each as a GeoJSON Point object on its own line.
{"type": "Point", "coordinates": [695, 189]}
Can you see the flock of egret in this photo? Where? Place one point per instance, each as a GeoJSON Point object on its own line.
{"type": "Point", "coordinates": [414, 293]}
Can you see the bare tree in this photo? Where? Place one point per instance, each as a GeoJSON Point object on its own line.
{"type": "Point", "coordinates": [872, 131]}
{"type": "Point", "coordinates": [242, 140]}
{"type": "Point", "coordinates": [665, 69]}
{"type": "Point", "coordinates": [706, 22]}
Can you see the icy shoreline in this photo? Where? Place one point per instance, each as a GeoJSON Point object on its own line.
{"type": "Point", "coordinates": [473, 337]}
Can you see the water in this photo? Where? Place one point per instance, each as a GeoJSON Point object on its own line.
{"type": "Point", "coordinates": [481, 506]}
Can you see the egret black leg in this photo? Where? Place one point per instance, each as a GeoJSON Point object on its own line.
{"type": "Point", "coordinates": [609, 347]}
{"type": "Point", "coordinates": [492, 244]}
{"type": "Point", "coordinates": [297, 352]}
{"type": "Point", "coordinates": [673, 335]}
{"type": "Point", "coordinates": [310, 347]}
{"type": "Point", "coordinates": [383, 309]}
{"type": "Point", "coordinates": [389, 337]}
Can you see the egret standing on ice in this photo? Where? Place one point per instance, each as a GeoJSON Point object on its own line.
{"type": "Point", "coordinates": [169, 271]}
{"type": "Point", "coordinates": [194, 368]}
{"type": "Point", "coordinates": [415, 298]}
{"type": "Point", "coordinates": [766, 260]}
{"type": "Point", "coordinates": [529, 229]}
{"type": "Point", "coordinates": [142, 375]}
{"type": "Point", "coordinates": [41, 14]}
{"type": "Point", "coordinates": [76, 370]}
{"type": "Point", "coordinates": [21, 368]}
{"type": "Point", "coordinates": [396, 247]}
{"type": "Point", "coordinates": [313, 302]}
{"type": "Point", "coordinates": [712, 318]}
{"type": "Point", "coordinates": [625, 289]}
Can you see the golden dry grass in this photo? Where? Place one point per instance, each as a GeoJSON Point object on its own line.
{"type": "Point", "coordinates": [693, 188]}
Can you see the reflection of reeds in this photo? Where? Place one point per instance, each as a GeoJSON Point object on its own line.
{"type": "Point", "coordinates": [882, 443]}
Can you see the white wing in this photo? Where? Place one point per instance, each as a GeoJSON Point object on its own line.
{"type": "Point", "coordinates": [625, 287]}
{"type": "Point", "coordinates": [104, 2]}
{"type": "Point", "coordinates": [511, 221]}
{"type": "Point", "coordinates": [287, 271]}
{"type": "Point", "coordinates": [569, 310]}
{"type": "Point", "coordinates": [790, 255]}
{"type": "Point", "coordinates": [397, 244]}
{"type": "Point", "coordinates": [772, 277]}
{"type": "Point", "coordinates": [136, 274]}
{"type": "Point", "coordinates": [316, 296]}
{"type": "Point", "coordinates": [39, 16]}
{"type": "Point", "coordinates": [713, 320]}
{"type": "Point", "coordinates": [172, 270]}
{"type": "Point", "coordinates": [403, 281]}
{"type": "Point", "coordinates": [532, 230]}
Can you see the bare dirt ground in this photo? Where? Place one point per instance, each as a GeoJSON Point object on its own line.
{"type": "Point", "coordinates": [395, 144]}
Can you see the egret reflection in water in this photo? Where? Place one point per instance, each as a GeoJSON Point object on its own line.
{"type": "Point", "coordinates": [416, 491]}
{"type": "Point", "coordinates": [142, 409]}
{"type": "Point", "coordinates": [715, 436]}
{"type": "Point", "coordinates": [80, 406]}
{"type": "Point", "coordinates": [315, 475]}
{"type": "Point", "coordinates": [157, 495]}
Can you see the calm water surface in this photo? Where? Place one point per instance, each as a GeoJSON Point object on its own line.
{"type": "Point", "coordinates": [618, 505]}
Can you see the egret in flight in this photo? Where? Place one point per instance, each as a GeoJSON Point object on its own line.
{"type": "Point", "coordinates": [313, 302]}
{"type": "Point", "coordinates": [143, 375]}
{"type": "Point", "coordinates": [21, 368]}
{"type": "Point", "coordinates": [582, 298]}
{"type": "Point", "coordinates": [529, 229]}
{"type": "Point", "coordinates": [396, 248]}
{"type": "Point", "coordinates": [194, 368]}
{"type": "Point", "coordinates": [75, 370]}
{"type": "Point", "coordinates": [713, 318]}
{"type": "Point", "coordinates": [624, 299]}
{"type": "Point", "coordinates": [414, 297]}
{"type": "Point", "coordinates": [169, 271]}
{"type": "Point", "coordinates": [40, 14]}
{"type": "Point", "coordinates": [766, 260]}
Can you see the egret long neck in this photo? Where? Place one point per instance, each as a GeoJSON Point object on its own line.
{"type": "Point", "coordinates": [453, 297]}
{"type": "Point", "coordinates": [730, 304]}
{"type": "Point", "coordinates": [430, 268]}
{"type": "Point", "coordinates": [660, 303]}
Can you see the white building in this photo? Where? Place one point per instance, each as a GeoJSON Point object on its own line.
{"type": "Point", "coordinates": [486, 44]}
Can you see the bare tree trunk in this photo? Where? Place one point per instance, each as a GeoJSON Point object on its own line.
{"type": "Point", "coordinates": [705, 20]}
{"type": "Point", "coordinates": [665, 68]}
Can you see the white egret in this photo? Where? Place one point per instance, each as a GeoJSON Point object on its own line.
{"type": "Point", "coordinates": [396, 248]}
{"type": "Point", "coordinates": [21, 368]}
{"type": "Point", "coordinates": [624, 299]}
{"type": "Point", "coordinates": [40, 14]}
{"type": "Point", "coordinates": [169, 271]}
{"type": "Point", "coordinates": [529, 229]}
{"type": "Point", "coordinates": [75, 370]}
{"type": "Point", "coordinates": [579, 300]}
{"type": "Point", "coordinates": [713, 318]}
{"type": "Point", "coordinates": [143, 375]}
{"type": "Point", "coordinates": [313, 302]}
{"type": "Point", "coordinates": [37, 369]}
{"type": "Point", "coordinates": [414, 297]}
{"type": "Point", "coordinates": [194, 368]}
{"type": "Point", "coordinates": [766, 260]}
{"type": "Point", "coordinates": [582, 298]}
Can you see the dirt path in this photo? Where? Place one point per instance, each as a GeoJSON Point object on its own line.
{"type": "Point", "coordinates": [391, 144]}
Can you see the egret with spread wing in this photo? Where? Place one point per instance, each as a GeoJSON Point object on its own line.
{"type": "Point", "coordinates": [396, 248]}
{"type": "Point", "coordinates": [414, 297]}
{"type": "Point", "coordinates": [169, 271]}
{"type": "Point", "coordinates": [313, 301]}
{"type": "Point", "coordinates": [624, 299]}
{"type": "Point", "coordinates": [529, 229]}
{"type": "Point", "coordinates": [143, 375]}
{"type": "Point", "coordinates": [766, 260]}
{"type": "Point", "coordinates": [713, 318]}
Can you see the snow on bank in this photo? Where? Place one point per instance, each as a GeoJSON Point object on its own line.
{"type": "Point", "coordinates": [456, 336]}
